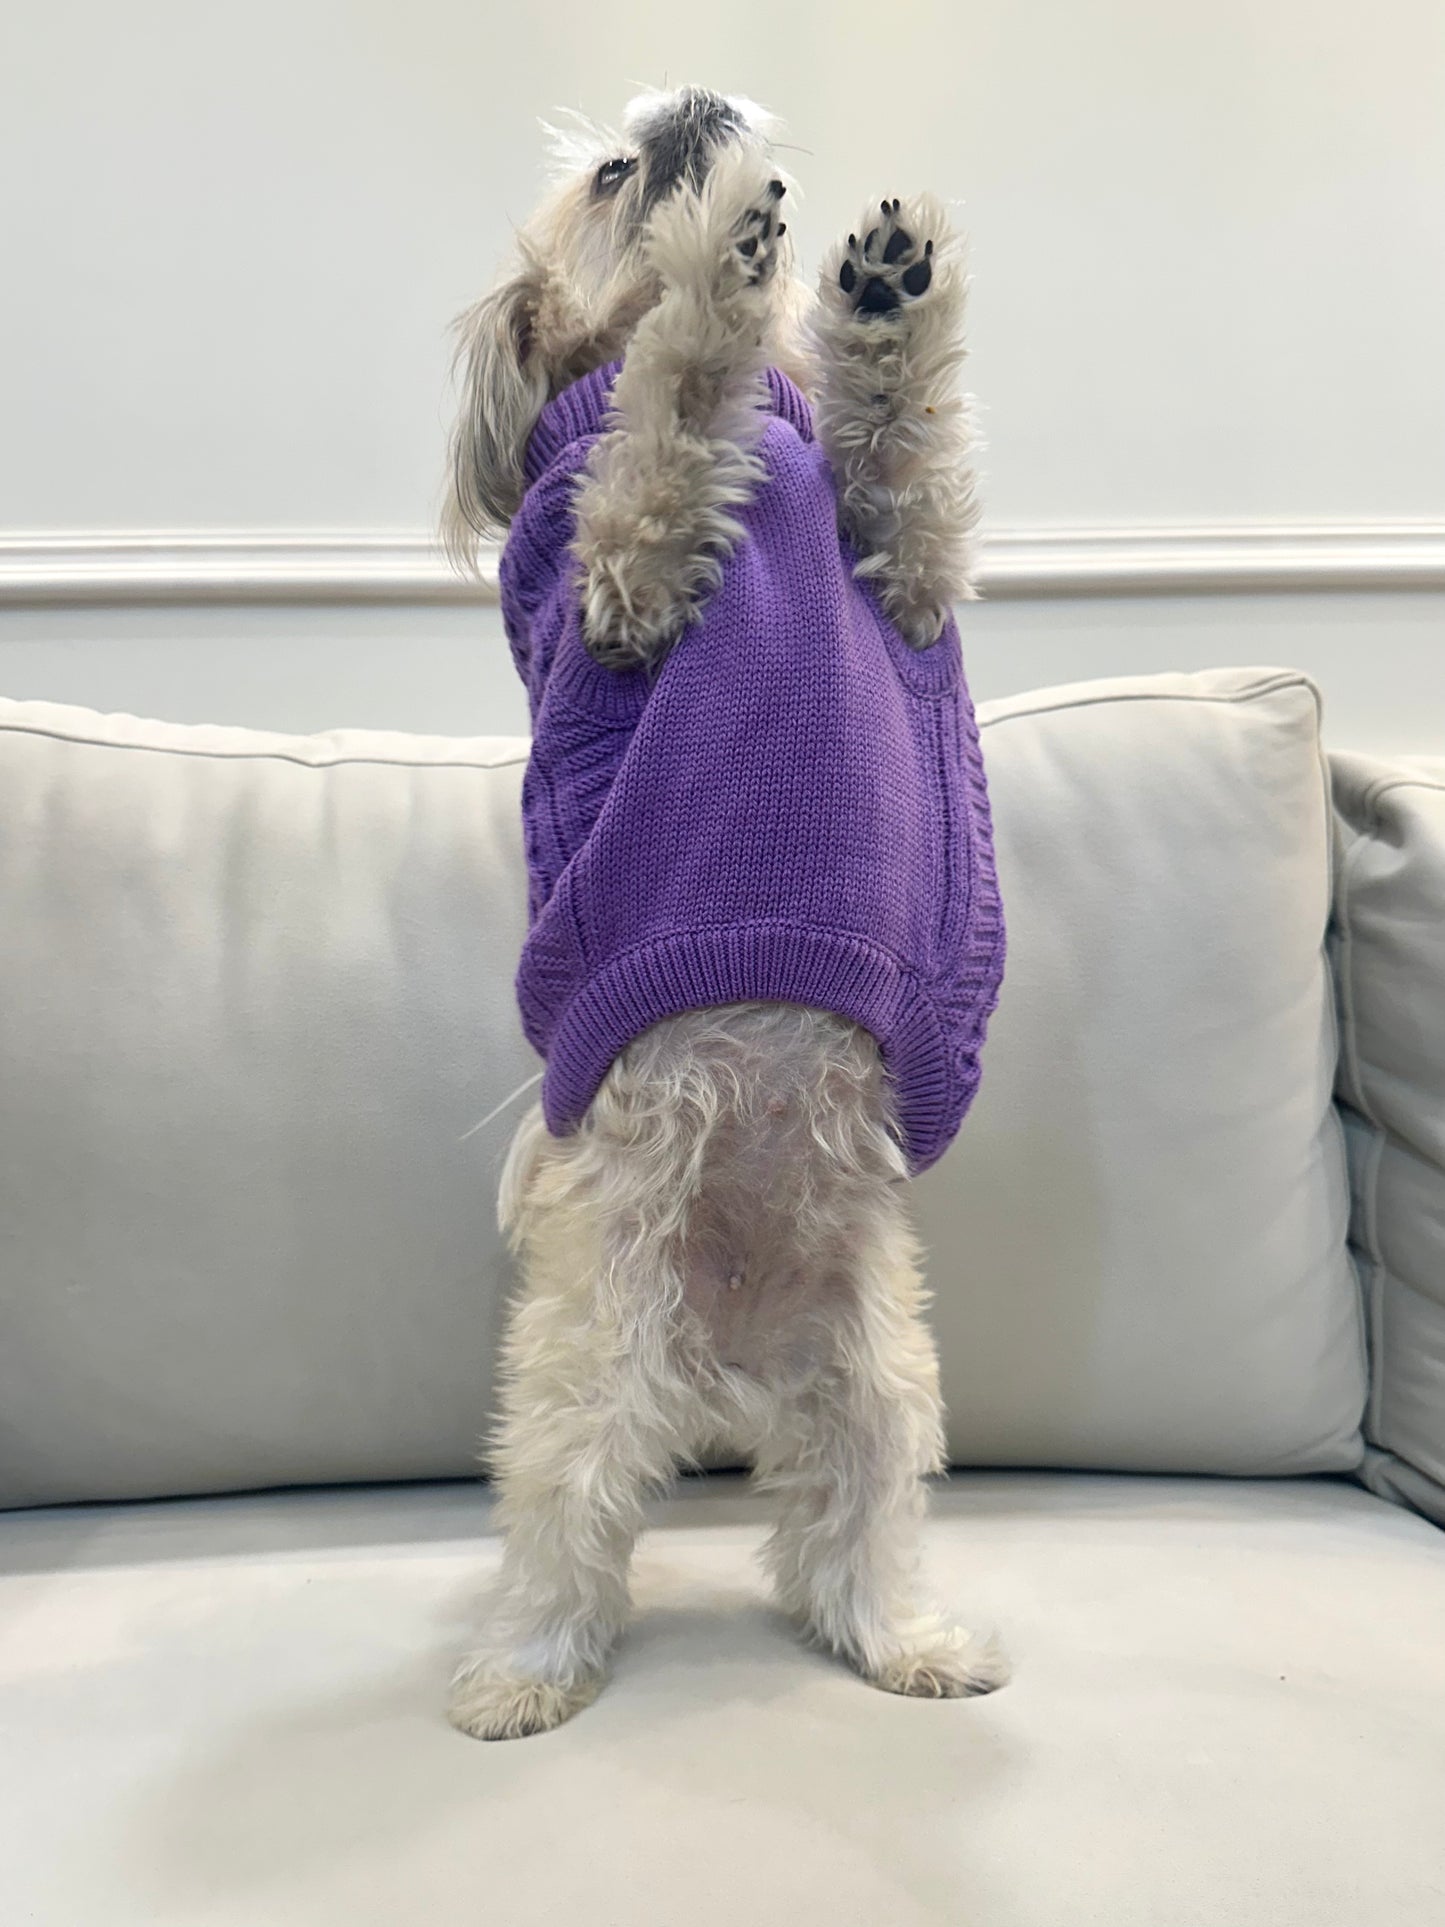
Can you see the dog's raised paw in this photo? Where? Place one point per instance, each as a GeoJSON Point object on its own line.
{"type": "Point", "coordinates": [889, 268]}
{"type": "Point", "coordinates": [725, 240]}
{"type": "Point", "coordinates": [756, 236]}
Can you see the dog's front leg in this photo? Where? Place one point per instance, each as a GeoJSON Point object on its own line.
{"type": "Point", "coordinates": [656, 512]}
{"type": "Point", "coordinates": [889, 333]}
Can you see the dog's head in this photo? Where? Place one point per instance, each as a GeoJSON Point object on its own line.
{"type": "Point", "coordinates": [579, 286]}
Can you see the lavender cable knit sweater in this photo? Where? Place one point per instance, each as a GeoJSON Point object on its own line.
{"type": "Point", "coordinates": [793, 809]}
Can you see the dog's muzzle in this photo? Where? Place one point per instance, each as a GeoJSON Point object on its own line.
{"type": "Point", "coordinates": [680, 141]}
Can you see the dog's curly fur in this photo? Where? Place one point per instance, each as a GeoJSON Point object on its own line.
{"type": "Point", "coordinates": [722, 1252]}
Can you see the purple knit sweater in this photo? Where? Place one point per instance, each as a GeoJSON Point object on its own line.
{"type": "Point", "coordinates": [793, 809]}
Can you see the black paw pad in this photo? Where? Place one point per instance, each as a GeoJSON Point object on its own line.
{"type": "Point", "coordinates": [877, 297]}
{"type": "Point", "coordinates": [889, 268]}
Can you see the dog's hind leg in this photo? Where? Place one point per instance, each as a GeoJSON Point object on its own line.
{"type": "Point", "coordinates": [587, 1431]}
{"type": "Point", "coordinates": [888, 331]}
{"type": "Point", "coordinates": [847, 1463]}
{"type": "Point", "coordinates": [656, 511]}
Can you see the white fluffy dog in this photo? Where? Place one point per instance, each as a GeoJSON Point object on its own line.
{"type": "Point", "coordinates": [721, 1254]}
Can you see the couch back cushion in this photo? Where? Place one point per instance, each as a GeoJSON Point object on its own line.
{"type": "Point", "coordinates": [1140, 1236]}
{"type": "Point", "coordinates": [1389, 946]}
{"type": "Point", "coordinates": [256, 991]}
{"type": "Point", "coordinates": [253, 992]}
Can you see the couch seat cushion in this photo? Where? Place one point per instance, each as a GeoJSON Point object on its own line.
{"type": "Point", "coordinates": [1229, 1710]}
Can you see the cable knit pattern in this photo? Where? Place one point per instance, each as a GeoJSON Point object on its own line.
{"type": "Point", "coordinates": [792, 809]}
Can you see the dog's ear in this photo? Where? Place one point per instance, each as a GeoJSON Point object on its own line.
{"type": "Point", "coordinates": [504, 390]}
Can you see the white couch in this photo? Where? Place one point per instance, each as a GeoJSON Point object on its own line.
{"type": "Point", "coordinates": [1189, 1264]}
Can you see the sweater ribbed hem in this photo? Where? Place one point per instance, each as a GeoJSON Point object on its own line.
{"type": "Point", "coordinates": [771, 963]}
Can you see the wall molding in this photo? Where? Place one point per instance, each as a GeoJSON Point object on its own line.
{"type": "Point", "coordinates": [79, 568]}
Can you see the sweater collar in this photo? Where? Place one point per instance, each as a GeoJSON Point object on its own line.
{"type": "Point", "coordinates": [582, 408]}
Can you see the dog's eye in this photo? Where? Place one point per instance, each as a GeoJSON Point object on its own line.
{"type": "Point", "coordinates": [612, 174]}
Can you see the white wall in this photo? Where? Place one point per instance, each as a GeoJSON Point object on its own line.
{"type": "Point", "coordinates": [1377, 658]}
{"type": "Point", "coordinates": [1209, 288]}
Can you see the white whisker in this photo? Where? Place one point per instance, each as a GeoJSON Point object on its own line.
{"type": "Point", "coordinates": [497, 1109]}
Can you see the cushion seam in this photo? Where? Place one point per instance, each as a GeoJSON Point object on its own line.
{"type": "Point", "coordinates": [252, 755]}
{"type": "Point", "coordinates": [1334, 1124]}
{"type": "Point", "coordinates": [1289, 680]}
{"type": "Point", "coordinates": [1378, 1293]}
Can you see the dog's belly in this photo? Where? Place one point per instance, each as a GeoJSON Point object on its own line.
{"type": "Point", "coordinates": [764, 1318]}
{"type": "Point", "coordinates": [773, 1121]}
{"type": "Point", "coordinates": [764, 1287]}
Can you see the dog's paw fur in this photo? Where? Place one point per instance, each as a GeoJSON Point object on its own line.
{"type": "Point", "coordinates": [724, 239]}
{"type": "Point", "coordinates": [948, 1666]}
{"type": "Point", "coordinates": [891, 267]}
{"type": "Point", "coordinates": [756, 236]}
{"type": "Point", "coordinates": [491, 1705]}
